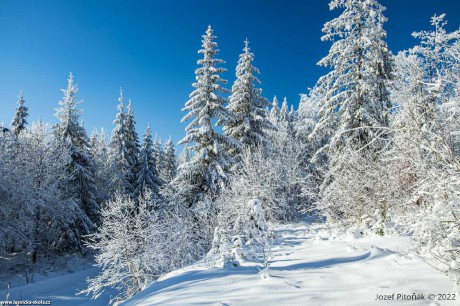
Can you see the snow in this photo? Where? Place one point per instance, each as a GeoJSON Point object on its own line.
{"type": "Point", "coordinates": [60, 287]}
{"type": "Point", "coordinates": [312, 265]}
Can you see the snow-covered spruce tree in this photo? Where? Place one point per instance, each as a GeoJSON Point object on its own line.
{"type": "Point", "coordinates": [130, 243]}
{"type": "Point", "coordinates": [184, 156]}
{"type": "Point", "coordinates": [274, 112]}
{"type": "Point", "coordinates": [307, 118]}
{"type": "Point", "coordinates": [133, 149]}
{"type": "Point", "coordinates": [169, 162]}
{"type": "Point", "coordinates": [292, 114]}
{"type": "Point", "coordinates": [200, 179]}
{"type": "Point", "coordinates": [356, 88]}
{"type": "Point", "coordinates": [355, 101]}
{"type": "Point", "coordinates": [158, 153]}
{"type": "Point", "coordinates": [252, 237]}
{"type": "Point", "coordinates": [248, 108]}
{"type": "Point", "coordinates": [119, 155]}
{"type": "Point", "coordinates": [147, 176]}
{"type": "Point", "coordinates": [20, 118]}
{"type": "Point", "coordinates": [274, 117]}
{"type": "Point", "coordinates": [206, 172]}
{"type": "Point", "coordinates": [286, 119]}
{"type": "Point", "coordinates": [103, 174]}
{"type": "Point", "coordinates": [78, 181]}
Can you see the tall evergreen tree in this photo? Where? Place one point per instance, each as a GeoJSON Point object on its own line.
{"type": "Point", "coordinates": [274, 112]}
{"type": "Point", "coordinates": [79, 181]}
{"type": "Point", "coordinates": [307, 118]}
{"type": "Point", "coordinates": [184, 156]}
{"type": "Point", "coordinates": [206, 172]}
{"type": "Point", "coordinates": [284, 112]}
{"type": "Point", "coordinates": [247, 106]}
{"type": "Point", "coordinates": [147, 177]}
{"type": "Point", "coordinates": [292, 114]}
{"type": "Point", "coordinates": [355, 92]}
{"type": "Point", "coordinates": [355, 108]}
{"type": "Point", "coordinates": [285, 127]}
{"type": "Point", "coordinates": [158, 153]}
{"type": "Point", "coordinates": [131, 140]}
{"type": "Point", "coordinates": [119, 155]}
{"type": "Point", "coordinates": [20, 118]}
{"type": "Point", "coordinates": [169, 162]}
{"type": "Point", "coordinates": [101, 158]}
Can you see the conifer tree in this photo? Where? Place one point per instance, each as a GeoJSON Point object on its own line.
{"type": "Point", "coordinates": [79, 181]}
{"type": "Point", "coordinates": [292, 114]}
{"type": "Point", "coordinates": [355, 92]}
{"type": "Point", "coordinates": [285, 127]}
{"type": "Point", "coordinates": [20, 118]}
{"type": "Point", "coordinates": [169, 162]}
{"type": "Point", "coordinates": [274, 112]}
{"type": "Point", "coordinates": [147, 177]}
{"type": "Point", "coordinates": [119, 155]}
{"type": "Point", "coordinates": [131, 140]}
{"type": "Point", "coordinates": [206, 172]}
{"type": "Point", "coordinates": [354, 109]}
{"type": "Point", "coordinates": [248, 107]}
{"type": "Point", "coordinates": [100, 156]}
{"type": "Point", "coordinates": [158, 153]}
{"type": "Point", "coordinates": [284, 112]}
{"type": "Point", "coordinates": [184, 156]}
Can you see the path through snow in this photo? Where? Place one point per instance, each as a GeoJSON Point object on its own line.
{"type": "Point", "coordinates": [309, 268]}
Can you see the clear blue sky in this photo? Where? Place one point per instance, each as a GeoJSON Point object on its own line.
{"type": "Point", "coordinates": [150, 49]}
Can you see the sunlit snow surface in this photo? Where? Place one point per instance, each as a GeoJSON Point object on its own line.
{"type": "Point", "coordinates": [60, 288]}
{"type": "Point", "coordinates": [310, 267]}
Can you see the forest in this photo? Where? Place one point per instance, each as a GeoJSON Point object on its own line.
{"type": "Point", "coordinates": [374, 147]}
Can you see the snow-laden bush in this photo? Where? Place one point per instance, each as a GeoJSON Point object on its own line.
{"type": "Point", "coordinates": [437, 231]}
{"type": "Point", "coordinates": [138, 241]}
{"type": "Point", "coordinates": [245, 207]}
{"type": "Point", "coordinates": [424, 146]}
{"type": "Point", "coordinates": [129, 245]}
{"type": "Point", "coordinates": [358, 192]}
{"type": "Point", "coordinates": [244, 236]}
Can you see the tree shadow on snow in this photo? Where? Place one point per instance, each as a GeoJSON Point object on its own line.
{"type": "Point", "coordinates": [188, 278]}
{"type": "Point", "coordinates": [322, 263]}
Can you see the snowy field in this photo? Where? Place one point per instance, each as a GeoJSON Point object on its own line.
{"type": "Point", "coordinates": [60, 286]}
{"type": "Point", "coordinates": [310, 267]}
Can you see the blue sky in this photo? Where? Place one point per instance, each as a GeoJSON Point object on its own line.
{"type": "Point", "coordinates": [150, 49]}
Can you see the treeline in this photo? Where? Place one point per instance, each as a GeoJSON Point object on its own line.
{"type": "Point", "coordinates": [55, 179]}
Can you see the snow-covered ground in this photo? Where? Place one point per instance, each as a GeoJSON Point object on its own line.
{"type": "Point", "coordinates": [310, 267]}
{"type": "Point", "coordinates": [59, 286]}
